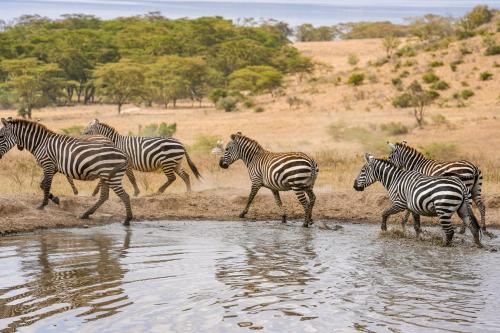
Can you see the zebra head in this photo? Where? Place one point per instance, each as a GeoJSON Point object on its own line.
{"type": "Point", "coordinates": [400, 154]}
{"type": "Point", "coordinates": [366, 176]}
{"type": "Point", "coordinates": [231, 153]}
{"type": "Point", "coordinates": [7, 138]}
{"type": "Point", "coordinates": [92, 128]}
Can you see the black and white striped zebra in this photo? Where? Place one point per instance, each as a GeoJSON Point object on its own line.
{"type": "Point", "coordinates": [75, 158]}
{"type": "Point", "coordinates": [422, 195]}
{"type": "Point", "coordinates": [149, 154]}
{"type": "Point", "coordinates": [129, 172]}
{"type": "Point", "coordinates": [276, 171]}
{"type": "Point", "coordinates": [406, 157]}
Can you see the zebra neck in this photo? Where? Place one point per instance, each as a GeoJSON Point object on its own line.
{"type": "Point", "coordinates": [416, 162]}
{"type": "Point", "coordinates": [250, 154]}
{"type": "Point", "coordinates": [32, 139]}
{"type": "Point", "coordinates": [388, 174]}
{"type": "Point", "coordinates": [110, 133]}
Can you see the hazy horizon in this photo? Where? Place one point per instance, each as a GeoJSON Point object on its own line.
{"type": "Point", "coordinates": [317, 12]}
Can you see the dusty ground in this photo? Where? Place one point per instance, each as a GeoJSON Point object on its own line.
{"type": "Point", "coordinates": [471, 128]}
{"type": "Point", "coordinates": [19, 213]}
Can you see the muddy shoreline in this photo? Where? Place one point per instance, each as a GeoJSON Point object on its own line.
{"type": "Point", "coordinates": [19, 213]}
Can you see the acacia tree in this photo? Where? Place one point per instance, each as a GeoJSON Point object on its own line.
{"type": "Point", "coordinates": [32, 83]}
{"type": "Point", "coordinates": [390, 44]}
{"type": "Point", "coordinates": [419, 99]}
{"type": "Point", "coordinates": [256, 79]}
{"type": "Point", "coordinates": [120, 82]}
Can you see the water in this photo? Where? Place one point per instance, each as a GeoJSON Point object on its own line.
{"type": "Point", "coordinates": [293, 12]}
{"type": "Point", "coordinates": [236, 277]}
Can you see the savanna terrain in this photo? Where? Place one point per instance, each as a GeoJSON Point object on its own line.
{"type": "Point", "coordinates": [319, 113]}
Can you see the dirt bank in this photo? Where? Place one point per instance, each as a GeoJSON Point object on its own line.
{"type": "Point", "coordinates": [18, 214]}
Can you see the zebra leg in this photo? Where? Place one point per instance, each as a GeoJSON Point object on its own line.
{"type": "Point", "coordinates": [445, 220]}
{"type": "Point", "coordinates": [253, 193]}
{"type": "Point", "coordinates": [388, 212]}
{"type": "Point", "coordinates": [416, 224]}
{"type": "Point", "coordinates": [476, 197]}
{"type": "Point", "coordinates": [169, 172]}
{"type": "Point", "coordinates": [102, 198]}
{"type": "Point", "coordinates": [73, 187]}
{"type": "Point", "coordinates": [131, 177]}
{"type": "Point", "coordinates": [277, 199]}
{"type": "Point", "coordinates": [470, 221]}
{"type": "Point", "coordinates": [405, 219]}
{"type": "Point", "coordinates": [184, 176]}
{"type": "Point", "coordinates": [301, 196]}
{"type": "Point", "coordinates": [97, 188]}
{"type": "Point", "coordinates": [120, 192]}
{"type": "Point", "coordinates": [48, 174]}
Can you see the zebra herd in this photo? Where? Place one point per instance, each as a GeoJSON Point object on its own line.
{"type": "Point", "coordinates": [415, 184]}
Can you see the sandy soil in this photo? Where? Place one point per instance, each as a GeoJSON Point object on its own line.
{"type": "Point", "coordinates": [19, 213]}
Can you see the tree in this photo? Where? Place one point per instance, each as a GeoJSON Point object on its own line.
{"type": "Point", "coordinates": [119, 82]}
{"type": "Point", "coordinates": [32, 83]}
{"type": "Point", "coordinates": [256, 79]}
{"type": "Point", "coordinates": [390, 44]}
{"type": "Point", "coordinates": [478, 16]}
{"type": "Point", "coordinates": [419, 99]}
{"type": "Point", "coordinates": [308, 33]}
{"type": "Point", "coordinates": [431, 27]}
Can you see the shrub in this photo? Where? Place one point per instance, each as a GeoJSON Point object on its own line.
{"type": "Point", "coordinates": [356, 79]}
{"type": "Point", "coordinates": [439, 119]}
{"type": "Point", "coordinates": [396, 82]}
{"type": "Point", "coordinates": [217, 94]}
{"type": "Point", "coordinates": [454, 65]}
{"type": "Point", "coordinates": [430, 77]}
{"type": "Point", "coordinates": [440, 85]}
{"type": "Point", "coordinates": [394, 128]}
{"type": "Point", "coordinates": [492, 50]}
{"type": "Point", "coordinates": [381, 61]}
{"type": "Point", "coordinates": [373, 78]}
{"type": "Point", "coordinates": [248, 103]}
{"type": "Point", "coordinates": [406, 51]}
{"type": "Point", "coordinates": [352, 59]}
{"type": "Point", "coordinates": [466, 93]}
{"type": "Point", "coordinates": [402, 101]}
{"type": "Point", "coordinates": [259, 109]}
{"type": "Point", "coordinates": [485, 76]}
{"type": "Point", "coordinates": [436, 63]}
{"type": "Point", "coordinates": [205, 143]}
{"type": "Point", "coordinates": [409, 63]}
{"type": "Point", "coordinates": [227, 104]}
{"type": "Point", "coordinates": [163, 129]}
{"type": "Point", "coordinates": [440, 151]}
{"type": "Point", "coordinates": [404, 74]}
{"type": "Point", "coordinates": [74, 130]}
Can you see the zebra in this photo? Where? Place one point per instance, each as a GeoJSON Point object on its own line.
{"type": "Point", "coordinates": [423, 195]}
{"type": "Point", "coordinates": [128, 172]}
{"type": "Point", "coordinates": [149, 154]}
{"type": "Point", "coordinates": [275, 171]}
{"type": "Point", "coordinates": [404, 156]}
{"type": "Point", "coordinates": [75, 158]}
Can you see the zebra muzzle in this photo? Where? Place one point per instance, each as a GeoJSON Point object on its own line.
{"type": "Point", "coordinates": [358, 188]}
{"type": "Point", "coordinates": [223, 164]}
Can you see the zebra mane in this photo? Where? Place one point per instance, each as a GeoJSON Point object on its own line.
{"type": "Point", "coordinates": [246, 139]}
{"type": "Point", "coordinates": [24, 122]}
{"type": "Point", "coordinates": [385, 161]}
{"type": "Point", "coordinates": [108, 126]}
{"type": "Point", "coordinates": [409, 148]}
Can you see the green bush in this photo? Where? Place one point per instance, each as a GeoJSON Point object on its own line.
{"type": "Point", "coordinates": [396, 82]}
{"type": "Point", "coordinates": [430, 77]}
{"type": "Point", "coordinates": [466, 93]}
{"type": "Point", "coordinates": [163, 129]}
{"type": "Point", "coordinates": [402, 101]}
{"type": "Point", "coordinates": [394, 128]}
{"type": "Point", "coordinates": [406, 51]}
{"type": "Point", "coordinates": [436, 63]}
{"type": "Point", "coordinates": [248, 103]}
{"type": "Point", "coordinates": [227, 104]}
{"type": "Point", "coordinates": [404, 74]}
{"type": "Point", "coordinates": [454, 65]}
{"type": "Point", "coordinates": [485, 76]}
{"type": "Point", "coordinates": [205, 143]}
{"type": "Point", "coordinates": [217, 94]}
{"type": "Point", "coordinates": [439, 119]}
{"type": "Point", "coordinates": [440, 85]}
{"type": "Point", "coordinates": [356, 79]}
{"type": "Point", "coordinates": [441, 151]}
{"type": "Point", "coordinates": [492, 50]}
{"type": "Point", "coordinates": [74, 130]}
{"type": "Point", "coordinates": [381, 61]}
{"type": "Point", "coordinates": [352, 59]}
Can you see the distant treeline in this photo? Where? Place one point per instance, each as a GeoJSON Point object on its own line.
{"type": "Point", "coordinates": [426, 27]}
{"type": "Point", "coordinates": [147, 59]}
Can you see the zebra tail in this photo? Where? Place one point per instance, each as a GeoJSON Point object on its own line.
{"type": "Point", "coordinates": [193, 167]}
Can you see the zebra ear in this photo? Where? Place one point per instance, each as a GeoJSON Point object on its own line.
{"type": "Point", "coordinates": [20, 147]}
{"type": "Point", "coordinates": [368, 157]}
{"type": "Point", "coordinates": [4, 122]}
{"type": "Point", "coordinates": [391, 145]}
{"type": "Point", "coordinates": [404, 142]}
{"type": "Point", "coordinates": [95, 121]}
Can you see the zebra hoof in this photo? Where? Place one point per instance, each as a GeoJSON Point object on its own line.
{"type": "Point", "coordinates": [305, 225]}
{"type": "Point", "coordinates": [85, 217]}
{"type": "Point", "coordinates": [136, 193]}
{"type": "Point", "coordinates": [283, 219]}
{"type": "Point", "coordinates": [383, 227]}
{"type": "Point", "coordinates": [126, 223]}
{"type": "Point", "coordinates": [41, 207]}
{"type": "Point", "coordinates": [242, 215]}
{"type": "Point", "coordinates": [75, 192]}
{"type": "Point", "coordinates": [55, 200]}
